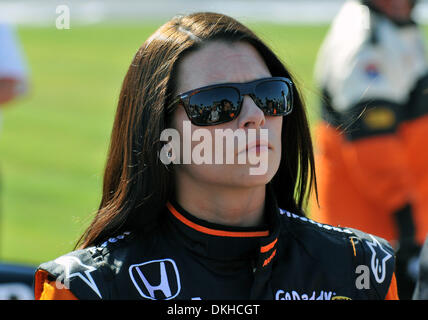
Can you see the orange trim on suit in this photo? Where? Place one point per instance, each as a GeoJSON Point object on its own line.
{"type": "Point", "coordinates": [45, 289]}
{"type": "Point", "coordinates": [215, 232]}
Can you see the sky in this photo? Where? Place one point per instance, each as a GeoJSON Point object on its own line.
{"type": "Point", "coordinates": [43, 12]}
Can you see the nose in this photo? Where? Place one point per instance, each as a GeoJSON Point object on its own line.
{"type": "Point", "coordinates": [250, 116]}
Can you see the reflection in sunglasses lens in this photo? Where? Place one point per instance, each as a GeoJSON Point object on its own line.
{"type": "Point", "coordinates": [272, 97]}
{"type": "Point", "coordinates": [214, 105]}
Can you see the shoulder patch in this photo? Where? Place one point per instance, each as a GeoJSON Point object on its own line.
{"type": "Point", "coordinates": [73, 267]}
{"type": "Point", "coordinates": [91, 273]}
{"type": "Point", "coordinates": [85, 272]}
{"type": "Point", "coordinates": [371, 70]}
{"type": "Point", "coordinates": [80, 272]}
{"type": "Point", "coordinates": [379, 259]}
{"type": "Point", "coordinates": [378, 256]}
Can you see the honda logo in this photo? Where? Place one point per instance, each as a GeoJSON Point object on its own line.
{"type": "Point", "coordinates": [156, 279]}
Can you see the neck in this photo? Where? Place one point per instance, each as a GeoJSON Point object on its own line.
{"type": "Point", "coordinates": [231, 206]}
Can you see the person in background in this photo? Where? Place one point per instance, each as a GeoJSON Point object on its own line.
{"type": "Point", "coordinates": [15, 280]}
{"type": "Point", "coordinates": [373, 73]}
{"type": "Point", "coordinates": [13, 70]}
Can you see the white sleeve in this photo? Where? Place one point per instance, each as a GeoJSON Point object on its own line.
{"type": "Point", "coordinates": [12, 64]}
{"type": "Point", "coordinates": [371, 74]}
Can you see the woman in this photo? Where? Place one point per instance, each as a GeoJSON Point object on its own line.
{"type": "Point", "coordinates": [182, 230]}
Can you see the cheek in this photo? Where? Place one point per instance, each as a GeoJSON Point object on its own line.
{"type": "Point", "coordinates": [274, 125]}
{"type": "Point", "coordinates": [275, 139]}
{"type": "Point", "coordinates": [178, 116]}
{"type": "Point", "coordinates": [277, 123]}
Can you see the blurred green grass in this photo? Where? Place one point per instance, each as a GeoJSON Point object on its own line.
{"type": "Point", "coordinates": [54, 142]}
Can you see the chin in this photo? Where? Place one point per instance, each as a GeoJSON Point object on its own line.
{"type": "Point", "coordinates": [232, 176]}
{"type": "Point", "coordinates": [242, 178]}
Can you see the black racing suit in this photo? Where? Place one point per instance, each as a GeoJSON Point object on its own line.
{"type": "Point", "coordinates": [186, 258]}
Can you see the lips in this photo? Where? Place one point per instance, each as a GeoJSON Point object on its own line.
{"type": "Point", "coordinates": [257, 146]}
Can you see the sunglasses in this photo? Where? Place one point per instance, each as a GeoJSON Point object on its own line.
{"type": "Point", "coordinates": [221, 103]}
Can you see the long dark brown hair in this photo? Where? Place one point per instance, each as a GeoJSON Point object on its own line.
{"type": "Point", "coordinates": [136, 184]}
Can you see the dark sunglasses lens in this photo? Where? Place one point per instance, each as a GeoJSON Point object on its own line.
{"type": "Point", "coordinates": [213, 106]}
{"type": "Point", "coordinates": [274, 97]}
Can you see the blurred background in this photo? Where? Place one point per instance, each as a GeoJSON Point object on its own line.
{"type": "Point", "coordinates": [54, 139]}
